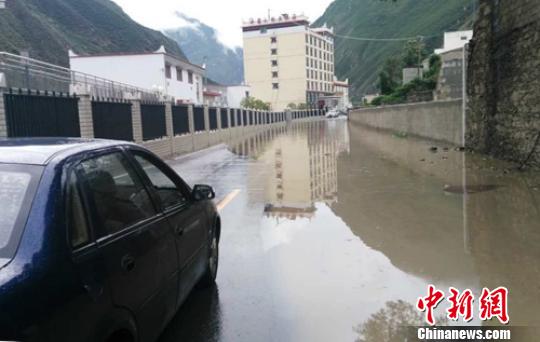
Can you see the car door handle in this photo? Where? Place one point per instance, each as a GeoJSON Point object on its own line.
{"type": "Point", "coordinates": [179, 230]}
{"type": "Point", "coordinates": [127, 263]}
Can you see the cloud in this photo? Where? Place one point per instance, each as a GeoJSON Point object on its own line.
{"type": "Point", "coordinates": [225, 16]}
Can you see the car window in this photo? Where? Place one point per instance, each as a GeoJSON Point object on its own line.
{"type": "Point", "coordinates": [169, 193]}
{"type": "Point", "coordinates": [118, 196]}
{"type": "Point", "coordinates": [18, 185]}
{"type": "Point", "coordinates": [78, 225]}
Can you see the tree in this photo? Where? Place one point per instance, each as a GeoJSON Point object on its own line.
{"type": "Point", "coordinates": [253, 103]}
{"type": "Point", "coordinates": [291, 105]}
{"type": "Point", "coordinates": [414, 53]}
{"type": "Point", "coordinates": [390, 75]}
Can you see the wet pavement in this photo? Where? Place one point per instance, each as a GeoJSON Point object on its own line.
{"type": "Point", "coordinates": [337, 230]}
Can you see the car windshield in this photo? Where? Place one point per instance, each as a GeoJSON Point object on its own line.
{"type": "Point", "coordinates": [17, 188]}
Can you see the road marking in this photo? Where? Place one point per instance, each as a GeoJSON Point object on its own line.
{"type": "Point", "coordinates": [227, 199]}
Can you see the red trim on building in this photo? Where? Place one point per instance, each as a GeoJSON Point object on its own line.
{"type": "Point", "coordinates": [275, 25]}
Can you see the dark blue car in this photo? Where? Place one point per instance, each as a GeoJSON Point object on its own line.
{"type": "Point", "coordinates": [99, 241]}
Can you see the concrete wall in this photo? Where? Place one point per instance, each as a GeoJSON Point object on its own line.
{"type": "Point", "coordinates": [504, 81]}
{"type": "Point", "coordinates": [440, 120]}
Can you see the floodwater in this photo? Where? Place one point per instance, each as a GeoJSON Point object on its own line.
{"type": "Point", "coordinates": [337, 230]}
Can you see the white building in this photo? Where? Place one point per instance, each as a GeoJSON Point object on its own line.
{"type": "Point", "coordinates": [157, 70]}
{"type": "Point", "coordinates": [286, 61]}
{"type": "Point", "coordinates": [339, 99]}
{"type": "Point", "coordinates": [455, 40]}
{"type": "Point", "coordinates": [215, 94]}
{"type": "Point", "coordinates": [237, 93]}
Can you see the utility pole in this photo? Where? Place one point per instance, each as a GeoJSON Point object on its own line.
{"type": "Point", "coordinates": [419, 51]}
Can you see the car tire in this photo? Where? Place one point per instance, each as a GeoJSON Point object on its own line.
{"type": "Point", "coordinates": [209, 277]}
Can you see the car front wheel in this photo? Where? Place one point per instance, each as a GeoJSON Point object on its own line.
{"type": "Point", "coordinates": [209, 277]}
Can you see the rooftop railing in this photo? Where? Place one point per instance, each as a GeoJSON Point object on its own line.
{"type": "Point", "coordinates": [32, 74]}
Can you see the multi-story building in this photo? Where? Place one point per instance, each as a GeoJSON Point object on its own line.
{"type": "Point", "coordinates": [288, 62]}
{"type": "Point", "coordinates": [158, 70]}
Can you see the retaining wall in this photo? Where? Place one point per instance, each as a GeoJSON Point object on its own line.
{"type": "Point", "coordinates": [438, 120]}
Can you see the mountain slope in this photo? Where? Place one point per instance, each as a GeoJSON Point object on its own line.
{"type": "Point", "coordinates": [48, 28]}
{"type": "Point", "coordinates": [201, 44]}
{"type": "Point", "coordinates": [360, 60]}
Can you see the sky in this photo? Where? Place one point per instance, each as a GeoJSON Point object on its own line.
{"type": "Point", "coordinates": [225, 16]}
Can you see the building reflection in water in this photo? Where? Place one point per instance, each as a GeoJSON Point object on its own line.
{"type": "Point", "coordinates": [302, 162]}
{"type": "Point", "coordinates": [404, 203]}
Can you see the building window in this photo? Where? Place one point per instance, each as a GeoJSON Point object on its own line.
{"type": "Point", "coordinates": [273, 51]}
{"type": "Point", "coordinates": [274, 74]}
{"type": "Point", "coordinates": [273, 39]}
{"type": "Point", "coordinates": [168, 70]}
{"type": "Point", "coordinates": [274, 62]}
{"type": "Point", "coordinates": [190, 77]}
{"type": "Point", "coordinates": [179, 76]}
{"type": "Point", "coordinates": [275, 85]}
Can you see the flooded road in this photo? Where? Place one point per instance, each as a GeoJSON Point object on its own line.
{"type": "Point", "coordinates": [333, 231]}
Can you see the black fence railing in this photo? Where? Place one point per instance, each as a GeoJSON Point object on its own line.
{"type": "Point", "coordinates": [244, 117]}
{"type": "Point", "coordinates": [153, 121]}
{"type": "Point", "coordinates": [41, 115]}
{"type": "Point", "coordinates": [224, 118]}
{"type": "Point", "coordinates": [198, 118]}
{"type": "Point", "coordinates": [53, 114]}
{"type": "Point", "coordinates": [232, 117]}
{"type": "Point", "coordinates": [212, 118]}
{"type": "Point", "coordinates": [112, 120]}
{"type": "Point", "coordinates": [180, 116]}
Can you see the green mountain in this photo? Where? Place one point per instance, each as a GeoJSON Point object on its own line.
{"type": "Point", "coordinates": [201, 44]}
{"type": "Point", "coordinates": [48, 28]}
{"type": "Point", "coordinates": [360, 60]}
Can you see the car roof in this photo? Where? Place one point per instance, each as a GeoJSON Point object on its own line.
{"type": "Point", "coordinates": [40, 151]}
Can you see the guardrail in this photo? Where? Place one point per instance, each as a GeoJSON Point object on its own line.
{"type": "Point", "coordinates": [32, 74]}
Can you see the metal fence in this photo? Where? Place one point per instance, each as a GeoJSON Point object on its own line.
{"type": "Point", "coordinates": [212, 118]}
{"type": "Point", "coordinates": [224, 118]}
{"type": "Point", "coordinates": [41, 115]}
{"type": "Point", "coordinates": [153, 121]}
{"type": "Point", "coordinates": [198, 118]}
{"type": "Point", "coordinates": [112, 120]}
{"type": "Point", "coordinates": [28, 73]}
{"type": "Point", "coordinates": [244, 117]}
{"type": "Point", "coordinates": [180, 120]}
{"type": "Point", "coordinates": [232, 117]}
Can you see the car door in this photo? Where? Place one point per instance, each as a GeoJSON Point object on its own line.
{"type": "Point", "coordinates": [134, 239]}
{"type": "Point", "coordinates": [186, 217]}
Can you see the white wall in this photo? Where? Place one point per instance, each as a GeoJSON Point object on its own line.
{"type": "Point", "coordinates": [235, 95]}
{"type": "Point", "coordinates": [455, 40]}
{"type": "Point", "coordinates": [144, 71]}
{"type": "Point", "coordinates": [182, 90]}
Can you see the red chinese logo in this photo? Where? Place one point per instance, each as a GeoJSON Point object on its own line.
{"type": "Point", "coordinates": [461, 305]}
{"type": "Point", "coordinates": [429, 303]}
{"type": "Point", "coordinates": [492, 304]}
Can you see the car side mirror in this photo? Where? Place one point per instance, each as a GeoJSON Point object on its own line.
{"type": "Point", "coordinates": [203, 192]}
